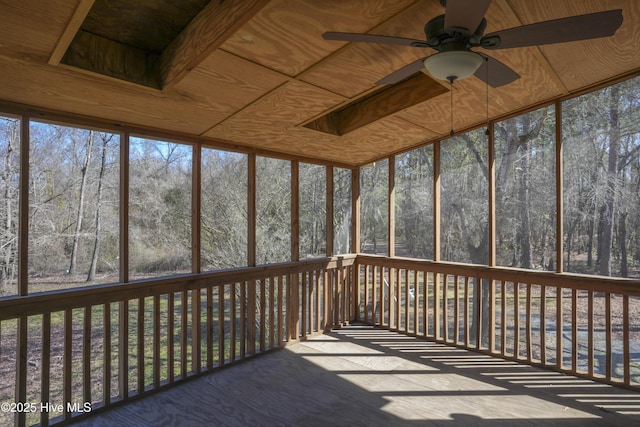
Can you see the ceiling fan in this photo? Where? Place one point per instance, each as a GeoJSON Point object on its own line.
{"type": "Point", "coordinates": [461, 28]}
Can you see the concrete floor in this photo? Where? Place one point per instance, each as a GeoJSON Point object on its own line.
{"type": "Point", "coordinates": [360, 376]}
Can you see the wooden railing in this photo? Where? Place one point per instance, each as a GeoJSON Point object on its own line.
{"type": "Point", "coordinates": [583, 325]}
{"type": "Point", "coordinates": [69, 352]}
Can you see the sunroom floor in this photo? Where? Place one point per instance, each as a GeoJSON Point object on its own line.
{"type": "Point", "coordinates": [361, 376]}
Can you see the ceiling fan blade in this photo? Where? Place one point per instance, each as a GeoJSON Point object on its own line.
{"type": "Point", "coordinates": [574, 28]}
{"type": "Point", "coordinates": [373, 38]}
{"type": "Point", "coordinates": [498, 73]}
{"type": "Point", "coordinates": [402, 73]}
{"type": "Point", "coordinates": [465, 14]}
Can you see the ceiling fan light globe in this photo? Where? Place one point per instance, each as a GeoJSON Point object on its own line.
{"type": "Point", "coordinates": [453, 65]}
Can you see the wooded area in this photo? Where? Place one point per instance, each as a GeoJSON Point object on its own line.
{"type": "Point", "coordinates": [74, 199]}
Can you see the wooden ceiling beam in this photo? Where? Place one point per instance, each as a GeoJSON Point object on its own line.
{"type": "Point", "coordinates": [204, 34]}
{"type": "Point", "coordinates": [380, 104]}
{"type": "Point", "coordinates": [69, 33]}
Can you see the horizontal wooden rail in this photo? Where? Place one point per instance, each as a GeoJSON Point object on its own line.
{"type": "Point", "coordinates": [584, 325]}
{"type": "Point", "coordinates": [89, 348]}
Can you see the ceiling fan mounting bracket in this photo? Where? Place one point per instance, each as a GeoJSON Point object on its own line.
{"type": "Point", "coordinates": [438, 37]}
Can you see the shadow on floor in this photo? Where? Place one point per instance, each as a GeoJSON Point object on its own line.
{"type": "Point", "coordinates": [361, 376]}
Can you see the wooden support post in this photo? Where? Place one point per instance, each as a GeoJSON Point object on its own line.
{"type": "Point", "coordinates": [330, 207]}
{"type": "Point", "coordinates": [391, 208]}
{"type": "Point", "coordinates": [559, 189]}
{"type": "Point", "coordinates": [23, 269]}
{"type": "Point", "coordinates": [250, 293]}
{"type": "Point", "coordinates": [355, 210]}
{"type": "Point", "coordinates": [196, 208]}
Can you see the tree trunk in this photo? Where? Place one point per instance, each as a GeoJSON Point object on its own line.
{"type": "Point", "coordinates": [96, 246]}
{"type": "Point", "coordinates": [9, 259]}
{"type": "Point", "coordinates": [622, 239]}
{"type": "Point", "coordinates": [80, 211]}
{"type": "Point", "coordinates": [607, 211]}
{"type": "Point", "coordinates": [524, 233]}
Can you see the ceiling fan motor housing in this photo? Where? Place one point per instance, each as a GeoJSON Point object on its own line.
{"type": "Point", "coordinates": [457, 38]}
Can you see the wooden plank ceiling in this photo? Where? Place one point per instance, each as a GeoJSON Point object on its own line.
{"type": "Point", "coordinates": [254, 73]}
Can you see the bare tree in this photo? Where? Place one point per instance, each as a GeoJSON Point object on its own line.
{"type": "Point", "coordinates": [106, 138]}
{"type": "Point", "coordinates": [84, 170]}
{"type": "Point", "coordinates": [8, 239]}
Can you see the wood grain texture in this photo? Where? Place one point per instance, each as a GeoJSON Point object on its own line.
{"type": "Point", "coordinates": [286, 34]}
{"type": "Point", "coordinates": [273, 71]}
{"type": "Point", "coordinates": [203, 35]}
{"type": "Point", "coordinates": [147, 25]}
{"type": "Point", "coordinates": [378, 105]}
{"type": "Point", "coordinates": [363, 376]}
{"type": "Point", "coordinates": [354, 69]}
{"type": "Point", "coordinates": [70, 31]}
{"type": "Point", "coordinates": [104, 56]}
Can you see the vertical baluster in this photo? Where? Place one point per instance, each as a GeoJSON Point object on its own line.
{"type": "Point", "coordinates": [445, 308]}
{"type": "Point", "coordinates": [272, 314]}
{"type": "Point", "coordinates": [45, 368]}
{"type": "Point", "coordinates": [397, 297]}
{"type": "Point", "coordinates": [467, 319]}
{"type": "Point", "coordinates": [251, 316]}
{"type": "Point", "coordinates": [293, 308]}
{"type": "Point", "coordinates": [86, 355]}
{"type": "Point", "coordinates": [625, 340]}
{"type": "Point", "coordinates": [209, 327]}
{"type": "Point", "coordinates": [590, 348]}
{"type": "Point", "coordinates": [326, 295]}
{"type": "Point", "coordinates": [608, 332]}
{"type": "Point", "coordinates": [503, 318]}
{"type": "Point", "coordinates": [243, 319]}
{"type": "Point", "coordinates": [393, 326]}
{"type": "Point", "coordinates": [345, 292]}
{"type": "Point", "coordinates": [222, 342]}
{"type": "Point", "coordinates": [529, 326]}
{"type": "Point", "coordinates": [436, 306]}
{"type": "Point", "coordinates": [106, 354]}
{"type": "Point", "coordinates": [478, 301]}
{"type": "Point", "coordinates": [171, 355]}
{"type": "Point", "coordinates": [304, 304]}
{"type": "Point", "coordinates": [140, 345]}
{"type": "Point", "coordinates": [559, 327]}
{"type": "Point", "coordinates": [156, 340]}
{"type": "Point", "coordinates": [543, 325]}
{"type": "Point", "coordinates": [232, 320]}
{"type": "Point", "coordinates": [318, 274]}
{"type": "Point", "coordinates": [492, 314]}
{"type": "Point", "coordinates": [366, 293]}
{"type": "Point", "coordinates": [184, 298]}
{"type": "Point", "coordinates": [280, 309]}
{"type": "Point", "coordinates": [263, 312]}
{"type": "Point", "coordinates": [574, 330]}
{"type": "Point", "coordinates": [516, 320]}
{"type": "Point", "coordinates": [310, 301]}
{"type": "Point", "coordinates": [374, 312]}
{"type": "Point", "coordinates": [425, 304]}
{"type": "Point", "coordinates": [67, 365]}
{"type": "Point", "coordinates": [196, 363]}
{"type": "Point", "coordinates": [336, 297]}
{"type": "Point", "coordinates": [406, 300]}
{"type": "Point", "coordinates": [456, 311]}
{"type": "Point", "coordinates": [416, 295]}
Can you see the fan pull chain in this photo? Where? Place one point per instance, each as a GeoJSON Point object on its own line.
{"type": "Point", "coordinates": [486, 61]}
{"type": "Point", "coordinates": [451, 79]}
